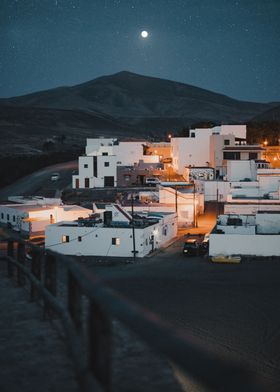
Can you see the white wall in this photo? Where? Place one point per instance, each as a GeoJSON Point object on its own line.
{"type": "Point", "coordinates": [10, 214]}
{"type": "Point", "coordinates": [190, 151]}
{"type": "Point", "coordinates": [98, 240]}
{"type": "Point", "coordinates": [239, 131]}
{"type": "Point", "coordinates": [268, 223]}
{"type": "Point", "coordinates": [236, 244]}
{"type": "Point", "coordinates": [129, 153]}
{"type": "Point", "coordinates": [102, 171]}
{"type": "Point", "coordinates": [250, 208]}
{"type": "Point", "coordinates": [239, 170]}
{"type": "Point", "coordinates": [93, 144]}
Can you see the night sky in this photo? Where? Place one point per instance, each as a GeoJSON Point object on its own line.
{"type": "Point", "coordinates": [226, 46]}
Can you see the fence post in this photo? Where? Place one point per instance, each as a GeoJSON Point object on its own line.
{"type": "Point", "coordinates": [10, 253]}
{"type": "Point", "coordinates": [75, 301]}
{"type": "Point", "coordinates": [100, 345]}
{"type": "Point", "coordinates": [50, 282]}
{"type": "Point", "coordinates": [36, 270]}
{"type": "Point", "coordinates": [21, 260]}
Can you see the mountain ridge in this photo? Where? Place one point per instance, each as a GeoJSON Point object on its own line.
{"type": "Point", "coordinates": [121, 104]}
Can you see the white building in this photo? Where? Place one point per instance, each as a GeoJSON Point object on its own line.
{"type": "Point", "coordinates": [32, 219]}
{"type": "Point", "coordinates": [98, 168]}
{"type": "Point", "coordinates": [243, 180]}
{"type": "Point", "coordinates": [194, 150]}
{"type": "Point", "coordinates": [113, 234]}
{"type": "Point", "coordinates": [246, 235]}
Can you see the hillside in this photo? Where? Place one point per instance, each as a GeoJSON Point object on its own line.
{"type": "Point", "coordinates": [123, 104]}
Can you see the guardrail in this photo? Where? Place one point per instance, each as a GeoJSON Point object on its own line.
{"type": "Point", "coordinates": [93, 362]}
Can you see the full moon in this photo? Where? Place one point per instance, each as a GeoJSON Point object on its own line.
{"type": "Point", "coordinates": [144, 34]}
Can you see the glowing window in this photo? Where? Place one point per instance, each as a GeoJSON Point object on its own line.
{"type": "Point", "coordinates": [116, 241]}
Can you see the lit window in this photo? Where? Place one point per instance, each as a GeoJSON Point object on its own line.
{"type": "Point", "coordinates": [80, 239]}
{"type": "Point", "coordinates": [106, 164]}
{"type": "Point", "coordinates": [65, 238]}
{"type": "Point", "coordinates": [116, 241]}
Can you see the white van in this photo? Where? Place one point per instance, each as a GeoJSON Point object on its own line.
{"type": "Point", "coordinates": [152, 181]}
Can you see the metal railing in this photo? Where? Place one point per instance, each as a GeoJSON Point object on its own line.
{"type": "Point", "coordinates": [93, 363]}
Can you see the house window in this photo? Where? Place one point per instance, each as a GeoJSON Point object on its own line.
{"type": "Point", "coordinates": [105, 153]}
{"type": "Point", "coordinates": [106, 164]}
{"type": "Point", "coordinates": [80, 239]}
{"type": "Point", "coordinates": [14, 218]}
{"type": "Point", "coordinates": [116, 241]}
{"type": "Point", "coordinates": [192, 134]}
{"type": "Point", "coordinates": [2, 215]}
{"type": "Point", "coordinates": [85, 165]}
{"type": "Point", "coordinates": [234, 156]}
{"type": "Point", "coordinates": [226, 142]}
{"type": "Point", "coordinates": [253, 155]}
{"type": "Point", "coordinates": [65, 238]}
{"type": "Point", "coordinates": [8, 217]}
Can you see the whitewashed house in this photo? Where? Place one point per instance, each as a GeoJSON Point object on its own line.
{"type": "Point", "coordinates": [112, 233]}
{"type": "Point", "coordinates": [247, 235]}
{"type": "Point", "coordinates": [194, 150]}
{"type": "Point", "coordinates": [98, 168]}
{"type": "Point", "coordinates": [31, 219]}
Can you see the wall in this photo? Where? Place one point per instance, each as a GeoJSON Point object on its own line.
{"type": "Point", "coordinates": [129, 153]}
{"type": "Point", "coordinates": [268, 223]}
{"type": "Point", "coordinates": [15, 215]}
{"type": "Point", "coordinates": [216, 151]}
{"type": "Point", "coordinates": [250, 208]}
{"type": "Point", "coordinates": [239, 131]}
{"type": "Point", "coordinates": [102, 171]}
{"type": "Point", "coordinates": [93, 144]}
{"type": "Point", "coordinates": [190, 151]}
{"type": "Point", "coordinates": [239, 170]}
{"type": "Point", "coordinates": [253, 245]}
{"type": "Point", "coordinates": [98, 240]}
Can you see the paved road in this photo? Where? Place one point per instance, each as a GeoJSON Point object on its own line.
{"type": "Point", "coordinates": [34, 183]}
{"type": "Point", "coordinates": [232, 308]}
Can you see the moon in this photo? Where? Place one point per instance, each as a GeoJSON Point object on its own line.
{"type": "Point", "coordinates": [144, 34]}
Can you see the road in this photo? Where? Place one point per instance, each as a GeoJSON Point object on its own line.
{"type": "Point", "coordinates": [232, 308]}
{"type": "Point", "coordinates": [39, 181]}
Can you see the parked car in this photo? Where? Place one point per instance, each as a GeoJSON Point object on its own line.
{"type": "Point", "coordinates": [191, 247]}
{"type": "Point", "coordinates": [205, 242]}
{"type": "Point", "coordinates": [55, 176]}
{"type": "Point", "coordinates": [152, 181]}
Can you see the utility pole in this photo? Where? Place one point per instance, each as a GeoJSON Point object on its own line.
{"type": "Point", "coordinates": [133, 228]}
{"type": "Point", "coordinates": [194, 208]}
{"type": "Point", "coordinates": [217, 203]}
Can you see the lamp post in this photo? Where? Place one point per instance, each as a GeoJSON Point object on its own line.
{"type": "Point", "coordinates": [133, 227]}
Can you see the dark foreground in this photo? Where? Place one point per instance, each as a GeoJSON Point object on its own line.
{"type": "Point", "coordinates": [233, 308]}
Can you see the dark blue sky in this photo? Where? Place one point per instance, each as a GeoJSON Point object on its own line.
{"type": "Point", "coordinates": [226, 46]}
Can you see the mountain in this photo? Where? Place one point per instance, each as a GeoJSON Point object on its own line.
{"type": "Point", "coordinates": [121, 104]}
{"type": "Point", "coordinates": [269, 115]}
